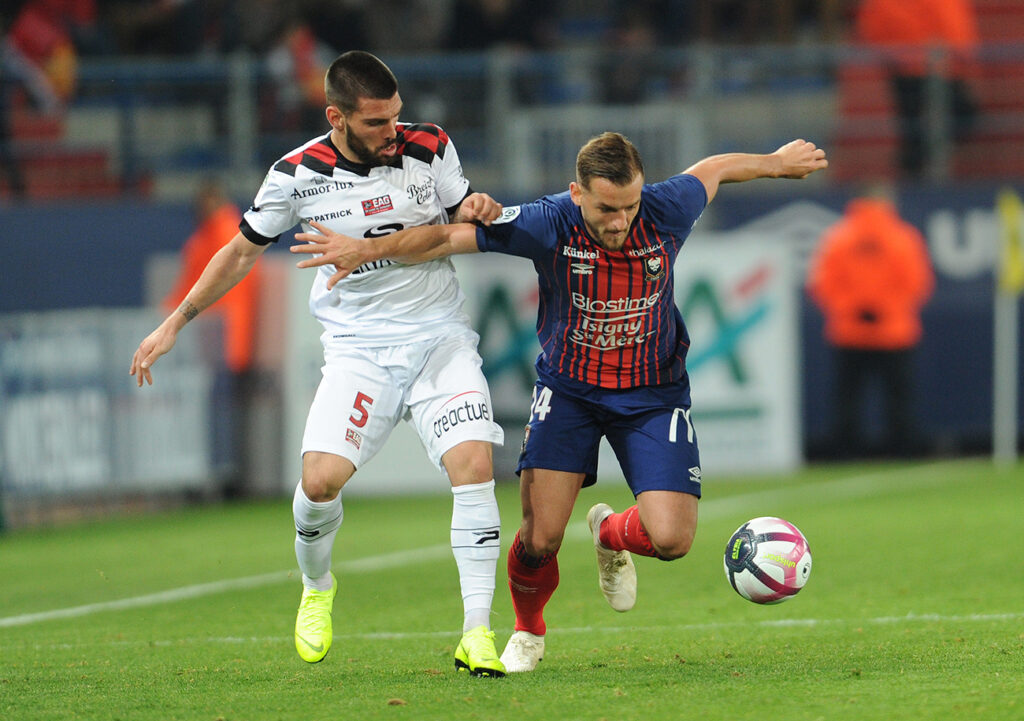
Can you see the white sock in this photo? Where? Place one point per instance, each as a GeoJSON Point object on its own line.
{"type": "Point", "coordinates": [476, 545]}
{"type": "Point", "coordinates": [316, 524]}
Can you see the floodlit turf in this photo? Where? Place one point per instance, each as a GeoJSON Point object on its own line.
{"type": "Point", "coordinates": [914, 610]}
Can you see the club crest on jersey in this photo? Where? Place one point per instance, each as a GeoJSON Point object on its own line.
{"type": "Point", "coordinates": [381, 204]}
{"type": "Point", "coordinates": [654, 268]}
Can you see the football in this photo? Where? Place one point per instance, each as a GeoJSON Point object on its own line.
{"type": "Point", "coordinates": [767, 560]}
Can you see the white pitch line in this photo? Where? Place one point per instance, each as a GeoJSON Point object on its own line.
{"type": "Point", "coordinates": [361, 565]}
{"type": "Point", "coordinates": [863, 485]}
{"type": "Point", "coordinates": [910, 618]}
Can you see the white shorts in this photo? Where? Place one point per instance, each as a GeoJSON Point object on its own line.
{"type": "Point", "coordinates": [436, 385]}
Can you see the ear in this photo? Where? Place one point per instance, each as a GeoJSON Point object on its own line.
{"type": "Point", "coordinates": [576, 193]}
{"type": "Point", "coordinates": [336, 118]}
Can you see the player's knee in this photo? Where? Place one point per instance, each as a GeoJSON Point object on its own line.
{"type": "Point", "coordinates": [540, 544]}
{"type": "Point", "coordinates": [320, 486]}
{"type": "Point", "coordinates": [477, 469]}
{"type": "Point", "coordinates": [673, 546]}
{"type": "Point", "coordinates": [323, 475]}
{"type": "Point", "coordinates": [469, 463]}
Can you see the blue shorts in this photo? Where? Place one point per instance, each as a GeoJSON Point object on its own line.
{"type": "Point", "coordinates": [649, 429]}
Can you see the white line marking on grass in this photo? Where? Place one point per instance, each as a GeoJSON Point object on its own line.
{"type": "Point", "coordinates": [396, 559]}
{"type": "Point", "coordinates": [910, 618]}
{"type": "Point", "coordinates": [859, 486]}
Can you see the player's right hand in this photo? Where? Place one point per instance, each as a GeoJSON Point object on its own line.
{"type": "Point", "coordinates": [800, 158]}
{"type": "Point", "coordinates": [477, 208]}
{"type": "Point", "coordinates": [155, 345]}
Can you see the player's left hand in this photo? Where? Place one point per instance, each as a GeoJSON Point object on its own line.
{"type": "Point", "coordinates": [800, 158]}
{"type": "Point", "coordinates": [330, 248]}
{"type": "Point", "coordinates": [477, 208]}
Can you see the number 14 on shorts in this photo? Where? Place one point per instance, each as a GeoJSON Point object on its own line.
{"type": "Point", "coordinates": [540, 406]}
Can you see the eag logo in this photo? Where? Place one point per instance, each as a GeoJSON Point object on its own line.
{"type": "Point", "coordinates": [465, 408]}
{"type": "Point", "coordinates": [380, 204]}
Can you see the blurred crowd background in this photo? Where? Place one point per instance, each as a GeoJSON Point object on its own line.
{"type": "Point", "coordinates": [121, 119]}
{"type": "Point", "coordinates": [102, 97]}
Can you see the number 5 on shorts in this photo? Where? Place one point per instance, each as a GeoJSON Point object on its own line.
{"type": "Point", "coordinates": [362, 414]}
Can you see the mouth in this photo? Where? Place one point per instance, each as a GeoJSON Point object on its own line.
{"type": "Point", "coordinates": [389, 150]}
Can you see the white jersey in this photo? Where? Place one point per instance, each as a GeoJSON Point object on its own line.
{"type": "Point", "coordinates": [384, 302]}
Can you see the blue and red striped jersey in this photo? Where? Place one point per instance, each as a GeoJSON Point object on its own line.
{"type": "Point", "coordinates": [606, 318]}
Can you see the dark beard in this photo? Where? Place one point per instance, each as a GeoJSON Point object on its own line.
{"type": "Point", "coordinates": [366, 156]}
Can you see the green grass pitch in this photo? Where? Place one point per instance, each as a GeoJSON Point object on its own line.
{"type": "Point", "coordinates": [914, 610]}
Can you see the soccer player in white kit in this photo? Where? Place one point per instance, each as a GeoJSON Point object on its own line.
{"type": "Point", "coordinates": [397, 344]}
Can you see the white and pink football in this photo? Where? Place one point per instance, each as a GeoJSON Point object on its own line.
{"type": "Point", "coordinates": [767, 560]}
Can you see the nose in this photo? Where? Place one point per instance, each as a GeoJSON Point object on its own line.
{"type": "Point", "coordinates": [618, 222]}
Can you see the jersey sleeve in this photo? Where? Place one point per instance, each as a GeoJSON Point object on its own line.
{"type": "Point", "coordinates": [529, 231]}
{"type": "Point", "coordinates": [677, 203]}
{"type": "Point", "coordinates": [452, 185]}
{"type": "Point", "coordinates": [271, 213]}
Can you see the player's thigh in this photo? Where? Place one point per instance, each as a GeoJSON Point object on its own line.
{"type": "Point", "coordinates": [561, 435]}
{"type": "Point", "coordinates": [547, 498]}
{"type": "Point", "coordinates": [449, 402]}
{"type": "Point", "coordinates": [670, 519]}
{"type": "Point", "coordinates": [657, 450]}
{"type": "Point", "coordinates": [356, 406]}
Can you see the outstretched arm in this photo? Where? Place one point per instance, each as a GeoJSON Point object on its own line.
{"type": "Point", "coordinates": [412, 245]}
{"type": "Point", "coordinates": [796, 159]}
{"type": "Point", "coordinates": [226, 268]}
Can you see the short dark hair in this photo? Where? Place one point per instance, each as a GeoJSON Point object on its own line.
{"type": "Point", "coordinates": [355, 75]}
{"type": "Point", "coordinates": [610, 156]}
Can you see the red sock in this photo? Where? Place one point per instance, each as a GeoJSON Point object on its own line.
{"type": "Point", "coordinates": [624, 532]}
{"type": "Point", "coordinates": [532, 580]}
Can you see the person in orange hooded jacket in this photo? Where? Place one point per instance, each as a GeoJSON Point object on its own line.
{"type": "Point", "coordinates": [870, 276]}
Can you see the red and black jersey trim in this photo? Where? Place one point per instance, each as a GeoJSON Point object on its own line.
{"type": "Point", "coordinates": [321, 157]}
{"type": "Point", "coordinates": [422, 141]}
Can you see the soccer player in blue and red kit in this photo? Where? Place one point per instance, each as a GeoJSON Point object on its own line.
{"type": "Point", "coordinates": [613, 360]}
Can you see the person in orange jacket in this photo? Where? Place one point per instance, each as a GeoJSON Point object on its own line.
{"type": "Point", "coordinates": [870, 276]}
{"type": "Point", "coordinates": [217, 222]}
{"type": "Point", "coordinates": [909, 31]}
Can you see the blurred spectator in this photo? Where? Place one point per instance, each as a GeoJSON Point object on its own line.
{"type": "Point", "coordinates": [340, 24]}
{"type": "Point", "coordinates": [217, 220]}
{"type": "Point", "coordinates": [631, 65]}
{"type": "Point", "coordinates": [43, 30]}
{"type": "Point", "coordinates": [297, 64]}
{"type": "Point", "coordinates": [870, 276]}
{"type": "Point", "coordinates": [779, 21]}
{"type": "Point", "coordinates": [483, 24]}
{"type": "Point", "coordinates": [20, 78]}
{"type": "Point", "coordinates": [909, 31]}
{"type": "Point", "coordinates": [167, 27]}
{"type": "Point", "coordinates": [405, 26]}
